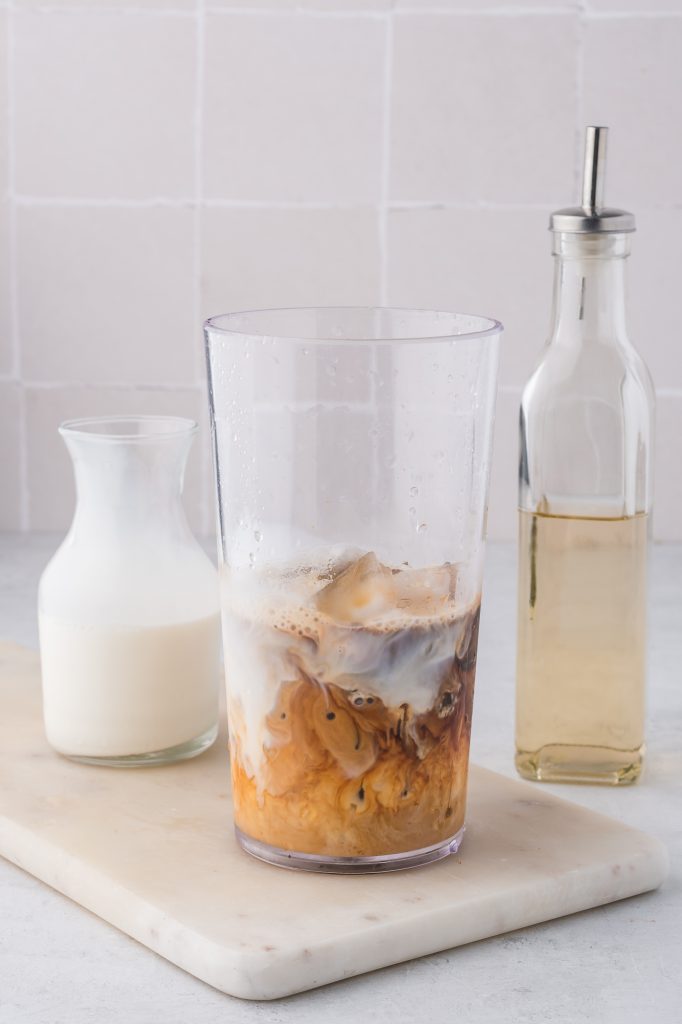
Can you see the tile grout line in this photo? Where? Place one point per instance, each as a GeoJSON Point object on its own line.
{"type": "Point", "coordinates": [13, 275]}
{"type": "Point", "coordinates": [385, 170]}
{"type": "Point", "coordinates": [83, 385]}
{"type": "Point", "coordinates": [528, 11]}
{"type": "Point", "coordinates": [102, 201]}
{"type": "Point", "coordinates": [522, 11]}
{"type": "Point", "coordinates": [296, 12]}
{"type": "Point", "coordinates": [107, 9]}
{"type": "Point", "coordinates": [198, 171]}
{"type": "Point", "coordinates": [382, 212]}
{"type": "Point", "coordinates": [630, 15]}
{"type": "Point", "coordinates": [198, 192]}
{"type": "Point", "coordinates": [473, 206]}
{"type": "Point", "coordinates": [55, 385]}
{"type": "Point", "coordinates": [491, 11]}
{"type": "Point", "coordinates": [580, 99]}
{"type": "Point", "coordinates": [264, 205]}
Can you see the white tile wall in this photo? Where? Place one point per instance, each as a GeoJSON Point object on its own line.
{"type": "Point", "coordinates": [105, 294]}
{"type": "Point", "coordinates": [159, 5]}
{"type": "Point", "coordinates": [292, 108]}
{"type": "Point", "coordinates": [162, 160]}
{"type": "Point", "coordinates": [477, 260]}
{"type": "Point", "coordinates": [104, 104]}
{"type": "Point", "coordinates": [252, 259]}
{"type": "Point", "coordinates": [11, 491]}
{"type": "Point", "coordinates": [654, 276]}
{"type": "Point", "coordinates": [632, 83]}
{"type": "Point", "coordinates": [504, 472]}
{"type": "Point", "coordinates": [330, 6]}
{"type": "Point", "coordinates": [483, 108]}
{"type": "Point", "coordinates": [668, 510]}
{"type": "Point", "coordinates": [6, 340]}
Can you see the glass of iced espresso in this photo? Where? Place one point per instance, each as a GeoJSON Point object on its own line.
{"type": "Point", "coordinates": [352, 451]}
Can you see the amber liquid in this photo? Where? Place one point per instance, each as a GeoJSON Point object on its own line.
{"type": "Point", "coordinates": [581, 648]}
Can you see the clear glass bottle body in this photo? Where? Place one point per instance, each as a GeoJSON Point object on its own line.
{"type": "Point", "coordinates": [128, 606]}
{"type": "Point", "coordinates": [352, 449]}
{"type": "Point", "coordinates": [586, 436]}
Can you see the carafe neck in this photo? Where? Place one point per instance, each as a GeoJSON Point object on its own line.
{"type": "Point", "coordinates": [129, 487]}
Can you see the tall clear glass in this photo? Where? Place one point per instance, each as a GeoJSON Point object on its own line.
{"type": "Point", "coordinates": [352, 449]}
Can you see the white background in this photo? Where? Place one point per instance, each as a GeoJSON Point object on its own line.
{"type": "Point", "coordinates": [167, 160]}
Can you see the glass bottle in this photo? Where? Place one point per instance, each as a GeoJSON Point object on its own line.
{"type": "Point", "coordinates": [129, 606]}
{"type": "Point", "coordinates": [585, 488]}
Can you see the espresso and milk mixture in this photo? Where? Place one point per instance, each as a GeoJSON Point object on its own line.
{"type": "Point", "coordinates": [350, 688]}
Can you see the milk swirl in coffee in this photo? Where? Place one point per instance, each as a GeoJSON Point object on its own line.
{"type": "Point", "coordinates": [350, 686]}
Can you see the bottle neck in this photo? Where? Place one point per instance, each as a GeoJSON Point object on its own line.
{"type": "Point", "coordinates": [589, 288]}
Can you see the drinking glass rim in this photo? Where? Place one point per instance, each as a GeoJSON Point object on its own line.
{"type": "Point", "coordinates": [492, 327]}
{"type": "Point", "coordinates": [86, 428]}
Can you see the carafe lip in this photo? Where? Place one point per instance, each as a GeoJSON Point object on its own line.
{"type": "Point", "coordinates": [450, 325]}
{"type": "Point", "coordinates": [130, 429]}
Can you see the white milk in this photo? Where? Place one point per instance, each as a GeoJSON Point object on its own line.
{"type": "Point", "coordinates": [116, 691]}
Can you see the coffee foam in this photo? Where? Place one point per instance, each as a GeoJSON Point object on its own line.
{"type": "Point", "coordinates": [285, 599]}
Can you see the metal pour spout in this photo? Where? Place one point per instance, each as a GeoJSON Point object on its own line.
{"type": "Point", "coordinates": [594, 169]}
{"type": "Point", "coordinates": [592, 217]}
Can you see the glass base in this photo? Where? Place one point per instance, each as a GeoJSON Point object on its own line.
{"type": "Point", "coordinates": [181, 752]}
{"type": "Point", "coordinates": [561, 762]}
{"type": "Point", "coordinates": [348, 865]}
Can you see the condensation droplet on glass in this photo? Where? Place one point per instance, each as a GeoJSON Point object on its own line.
{"type": "Point", "coordinates": [440, 455]}
{"type": "Point", "coordinates": [422, 528]}
{"type": "Point", "coordinates": [257, 536]}
{"type": "Point", "coordinates": [412, 510]}
{"type": "Point", "coordinates": [252, 560]}
{"type": "Point", "coordinates": [414, 491]}
{"type": "Point", "coordinates": [451, 379]}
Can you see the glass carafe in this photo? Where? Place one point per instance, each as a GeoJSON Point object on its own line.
{"type": "Point", "coordinates": [128, 605]}
{"type": "Point", "coordinates": [586, 434]}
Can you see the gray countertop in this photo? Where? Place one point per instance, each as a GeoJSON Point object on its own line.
{"type": "Point", "coordinates": [622, 962]}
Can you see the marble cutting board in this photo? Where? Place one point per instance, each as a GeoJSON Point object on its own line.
{"type": "Point", "coordinates": [152, 852]}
